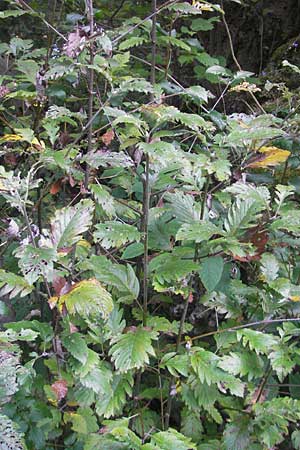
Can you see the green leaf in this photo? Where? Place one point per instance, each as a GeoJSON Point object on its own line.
{"type": "Point", "coordinates": [257, 341]}
{"type": "Point", "coordinates": [29, 69]}
{"type": "Point", "coordinates": [211, 272]}
{"type": "Point", "coordinates": [104, 199]}
{"type": "Point", "coordinates": [75, 344]}
{"type": "Point", "coordinates": [176, 364]}
{"type": "Point", "coordinates": [171, 440]}
{"type": "Point", "coordinates": [13, 285]}
{"type": "Point", "coordinates": [269, 267]}
{"type": "Point", "coordinates": [36, 262]}
{"type": "Point", "coordinates": [198, 93]}
{"type": "Point", "coordinates": [237, 435]}
{"type": "Point", "coordinates": [202, 24]}
{"type": "Point", "coordinates": [88, 298]}
{"type": "Point", "coordinates": [68, 224]}
{"type": "Point", "coordinates": [191, 425]}
{"type": "Point", "coordinates": [133, 41]}
{"type": "Point", "coordinates": [198, 231]}
{"type": "Point", "coordinates": [83, 421]}
{"type": "Point", "coordinates": [111, 403]}
{"type": "Point", "coordinates": [132, 350]}
{"type": "Point", "coordinates": [122, 277]}
{"type": "Point", "coordinates": [11, 13]}
{"type": "Point", "coordinates": [242, 215]}
{"type": "Point", "coordinates": [296, 439]}
{"type": "Point", "coordinates": [245, 363]}
{"type": "Point", "coordinates": [133, 250]}
{"type": "Point", "coordinates": [116, 234]}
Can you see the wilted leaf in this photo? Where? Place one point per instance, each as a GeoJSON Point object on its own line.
{"type": "Point", "coordinates": [60, 389]}
{"type": "Point", "coordinates": [269, 157]}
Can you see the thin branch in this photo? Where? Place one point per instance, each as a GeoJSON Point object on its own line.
{"type": "Point", "coordinates": [246, 325]}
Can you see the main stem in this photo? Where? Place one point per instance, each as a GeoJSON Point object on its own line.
{"type": "Point", "coordinates": [147, 193]}
{"type": "Point", "coordinates": [90, 88]}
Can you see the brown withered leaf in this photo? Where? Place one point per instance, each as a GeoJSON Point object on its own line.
{"type": "Point", "coordinates": [75, 43]}
{"type": "Point", "coordinates": [60, 389]}
{"type": "Point", "coordinates": [108, 137]}
{"type": "Point", "coordinates": [257, 236]}
{"type": "Point", "coordinates": [56, 187]}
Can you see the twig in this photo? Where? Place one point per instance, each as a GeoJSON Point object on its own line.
{"type": "Point", "coordinates": [246, 325]}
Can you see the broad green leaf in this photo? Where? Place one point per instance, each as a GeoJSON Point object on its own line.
{"type": "Point", "coordinates": [237, 435]}
{"type": "Point", "coordinates": [133, 349]}
{"type": "Point", "coordinates": [11, 13]}
{"type": "Point", "coordinates": [257, 341]}
{"type": "Point", "coordinates": [29, 69]}
{"type": "Point", "coordinates": [104, 199]}
{"type": "Point", "coordinates": [88, 298]}
{"type": "Point", "coordinates": [122, 277]}
{"type": "Point", "coordinates": [133, 41]}
{"type": "Point", "coordinates": [197, 231]}
{"type": "Point", "coordinates": [68, 224]}
{"type": "Point", "coordinates": [171, 440]}
{"type": "Point", "coordinates": [211, 272]}
{"type": "Point", "coordinates": [111, 403]}
{"type": "Point", "coordinates": [36, 263]}
{"type": "Point", "coordinates": [116, 234]}
{"type": "Point", "coordinates": [76, 345]}
{"type": "Point", "coordinates": [176, 364]}
{"type": "Point", "coordinates": [269, 267]}
{"type": "Point", "coordinates": [191, 425]}
{"type": "Point", "coordinates": [133, 250]}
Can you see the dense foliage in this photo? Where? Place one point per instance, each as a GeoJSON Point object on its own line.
{"type": "Point", "coordinates": [149, 241]}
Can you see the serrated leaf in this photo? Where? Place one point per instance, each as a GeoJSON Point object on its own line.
{"type": "Point", "coordinates": [88, 298]}
{"type": "Point", "coordinates": [36, 262]}
{"type": "Point", "coordinates": [13, 285]}
{"type": "Point", "coordinates": [271, 156]}
{"type": "Point", "coordinates": [111, 403]}
{"type": "Point", "coordinates": [116, 234]}
{"type": "Point", "coordinates": [76, 345]}
{"type": "Point", "coordinates": [237, 435]}
{"type": "Point", "coordinates": [198, 231]}
{"type": "Point", "coordinates": [172, 440]}
{"type": "Point", "coordinates": [269, 267]}
{"type": "Point", "coordinates": [122, 277]}
{"type": "Point", "coordinates": [104, 199]}
{"type": "Point", "coordinates": [132, 350]}
{"type": "Point", "coordinates": [257, 341]}
{"type": "Point", "coordinates": [211, 272]}
{"type": "Point", "coordinates": [68, 224]}
{"type": "Point", "coordinates": [133, 41]}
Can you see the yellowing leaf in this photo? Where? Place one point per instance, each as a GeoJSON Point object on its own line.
{"type": "Point", "coordinates": [295, 298]}
{"type": "Point", "coordinates": [271, 156]}
{"type": "Point", "coordinates": [245, 87]}
{"type": "Point", "coordinates": [11, 138]}
{"type": "Point", "coordinates": [84, 243]}
{"type": "Point", "coordinates": [87, 298]}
